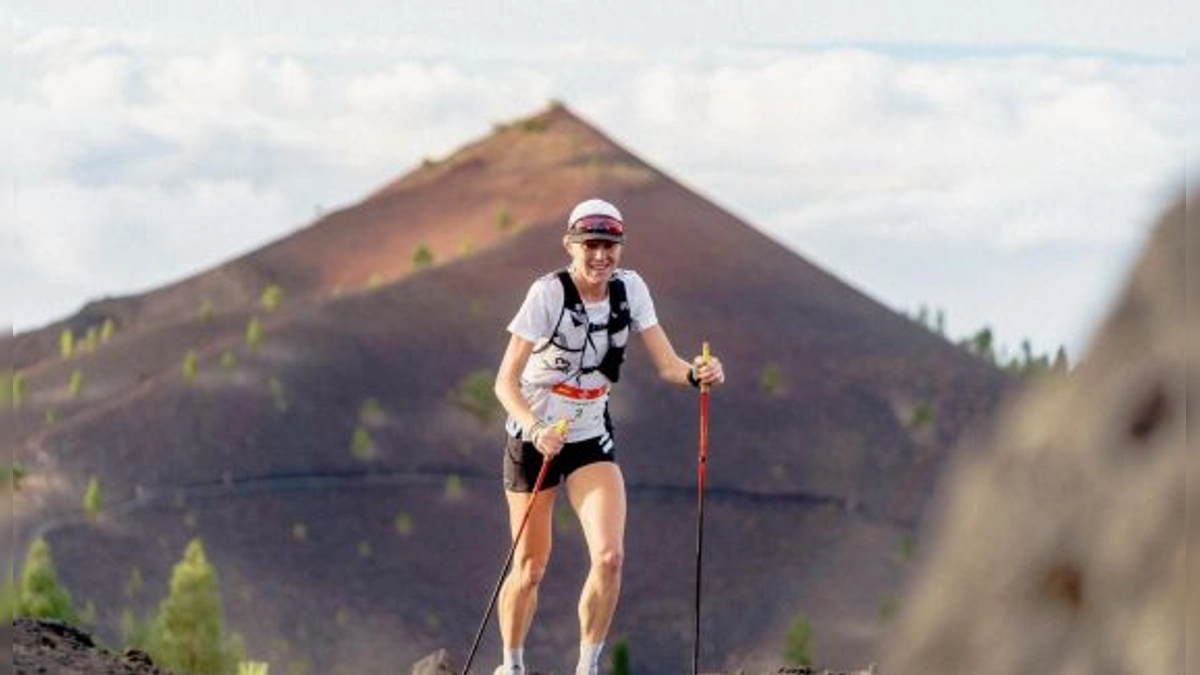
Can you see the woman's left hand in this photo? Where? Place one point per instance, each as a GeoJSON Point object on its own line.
{"type": "Point", "coordinates": [709, 373]}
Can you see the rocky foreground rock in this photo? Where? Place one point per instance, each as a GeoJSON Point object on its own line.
{"type": "Point", "coordinates": [42, 647]}
{"type": "Point", "coordinates": [1063, 542]}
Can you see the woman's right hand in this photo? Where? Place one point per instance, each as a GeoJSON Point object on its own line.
{"type": "Point", "coordinates": [549, 439]}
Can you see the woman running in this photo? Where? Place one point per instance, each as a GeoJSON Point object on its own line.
{"type": "Point", "coordinates": [566, 347]}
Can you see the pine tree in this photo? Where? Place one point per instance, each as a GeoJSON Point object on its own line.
{"type": "Point", "coordinates": [92, 501]}
{"type": "Point", "coordinates": [41, 595]}
{"type": "Point", "coordinates": [798, 649]}
{"type": "Point", "coordinates": [187, 634]}
{"type": "Point", "coordinates": [190, 363]}
{"type": "Point", "coordinates": [8, 596]}
{"type": "Point", "coordinates": [620, 657]}
{"type": "Point", "coordinates": [272, 297]}
{"type": "Point", "coordinates": [75, 385]}
{"type": "Point", "coordinates": [1061, 364]}
{"type": "Point", "coordinates": [254, 335]}
{"type": "Point", "coordinates": [18, 389]}
{"type": "Point", "coordinates": [66, 343]}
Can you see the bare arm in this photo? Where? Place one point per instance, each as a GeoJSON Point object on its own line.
{"type": "Point", "coordinates": [548, 440]}
{"type": "Point", "coordinates": [671, 367]}
{"type": "Point", "coordinates": [508, 381]}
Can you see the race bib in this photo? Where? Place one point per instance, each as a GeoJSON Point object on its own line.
{"type": "Point", "coordinates": [582, 408]}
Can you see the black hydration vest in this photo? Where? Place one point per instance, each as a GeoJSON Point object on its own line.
{"type": "Point", "coordinates": [619, 319]}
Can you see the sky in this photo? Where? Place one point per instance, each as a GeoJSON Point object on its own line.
{"type": "Point", "coordinates": [997, 161]}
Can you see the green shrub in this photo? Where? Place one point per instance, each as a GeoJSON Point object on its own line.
{"type": "Point", "coordinates": [93, 503]}
{"type": "Point", "coordinates": [422, 257]}
{"type": "Point", "coordinates": [771, 380]}
{"type": "Point", "coordinates": [620, 657]}
{"type": "Point", "coordinates": [922, 415]}
{"type": "Point", "coordinates": [370, 412]}
{"type": "Point", "coordinates": [534, 125]}
{"type": "Point", "coordinates": [504, 219]}
{"type": "Point", "coordinates": [90, 338]}
{"type": "Point", "coordinates": [190, 362]}
{"type": "Point", "coordinates": [887, 608]}
{"type": "Point", "coordinates": [272, 297]}
{"type": "Point", "coordinates": [228, 361]}
{"type": "Point", "coordinates": [275, 386]}
{"type": "Point", "coordinates": [362, 445]}
{"type": "Point", "coordinates": [106, 330]}
{"type": "Point", "coordinates": [564, 519]}
{"type": "Point", "coordinates": [19, 387]}
{"type": "Point", "coordinates": [404, 523]}
{"type": "Point", "coordinates": [66, 343]}
{"type": "Point", "coordinates": [12, 477]}
{"type": "Point", "coordinates": [9, 596]}
{"type": "Point", "coordinates": [453, 488]}
{"type": "Point", "coordinates": [205, 312]}
{"type": "Point", "coordinates": [254, 335]}
{"type": "Point", "coordinates": [798, 643]}
{"type": "Point", "coordinates": [475, 394]}
{"type": "Point", "coordinates": [75, 385]}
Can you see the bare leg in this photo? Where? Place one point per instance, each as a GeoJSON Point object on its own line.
{"type": "Point", "coordinates": [597, 492]}
{"type": "Point", "coordinates": [518, 596]}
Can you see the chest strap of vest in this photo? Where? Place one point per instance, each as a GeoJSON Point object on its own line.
{"type": "Point", "coordinates": [619, 318]}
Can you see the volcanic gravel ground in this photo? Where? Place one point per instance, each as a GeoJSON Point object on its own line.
{"type": "Point", "coordinates": [42, 647]}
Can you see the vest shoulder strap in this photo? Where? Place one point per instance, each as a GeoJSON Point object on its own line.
{"type": "Point", "coordinates": [571, 299]}
{"type": "Point", "coordinates": [619, 315]}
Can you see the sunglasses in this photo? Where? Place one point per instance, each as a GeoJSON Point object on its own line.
{"type": "Point", "coordinates": [598, 225]}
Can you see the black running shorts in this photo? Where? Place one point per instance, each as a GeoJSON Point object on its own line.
{"type": "Point", "coordinates": [522, 461]}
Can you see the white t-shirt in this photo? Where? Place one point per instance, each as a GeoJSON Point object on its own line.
{"type": "Point", "coordinates": [563, 346]}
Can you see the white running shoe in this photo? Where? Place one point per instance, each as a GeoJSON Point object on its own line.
{"type": "Point", "coordinates": [508, 670]}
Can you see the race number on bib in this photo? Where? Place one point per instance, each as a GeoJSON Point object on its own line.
{"type": "Point", "coordinates": [583, 409]}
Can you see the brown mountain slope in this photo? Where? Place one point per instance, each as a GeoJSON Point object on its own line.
{"type": "Point", "coordinates": [814, 483]}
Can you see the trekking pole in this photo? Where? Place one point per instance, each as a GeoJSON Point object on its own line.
{"type": "Point", "coordinates": [561, 426]}
{"type": "Point", "coordinates": [702, 467]}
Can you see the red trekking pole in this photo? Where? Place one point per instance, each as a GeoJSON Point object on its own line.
{"type": "Point", "coordinates": [701, 470]}
{"type": "Point", "coordinates": [561, 425]}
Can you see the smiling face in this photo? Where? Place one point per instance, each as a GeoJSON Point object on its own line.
{"type": "Point", "coordinates": [593, 260]}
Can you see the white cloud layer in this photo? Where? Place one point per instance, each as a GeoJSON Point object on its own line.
{"type": "Point", "coordinates": [142, 159]}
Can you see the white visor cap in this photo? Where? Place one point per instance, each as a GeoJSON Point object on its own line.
{"type": "Point", "coordinates": [594, 207]}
